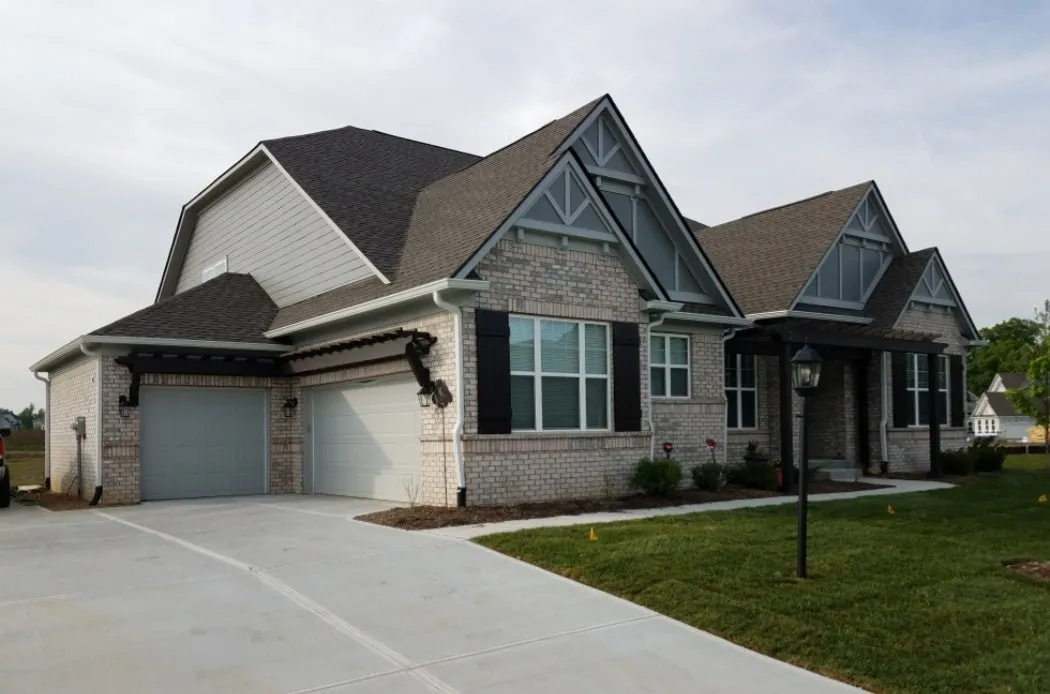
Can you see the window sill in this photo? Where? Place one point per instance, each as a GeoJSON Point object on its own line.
{"type": "Point", "coordinates": [563, 433]}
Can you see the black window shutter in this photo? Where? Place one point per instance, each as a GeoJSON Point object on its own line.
{"type": "Point", "coordinates": [627, 381]}
{"type": "Point", "coordinates": [957, 388]}
{"type": "Point", "coordinates": [903, 402]}
{"type": "Point", "coordinates": [493, 338]}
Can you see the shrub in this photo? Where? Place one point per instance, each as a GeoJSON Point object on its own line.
{"type": "Point", "coordinates": [958, 462]}
{"type": "Point", "coordinates": [755, 474]}
{"type": "Point", "coordinates": [986, 456]}
{"type": "Point", "coordinates": [659, 477]}
{"type": "Point", "coordinates": [708, 476]}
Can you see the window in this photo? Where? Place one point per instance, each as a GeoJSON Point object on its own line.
{"type": "Point", "coordinates": [918, 384]}
{"type": "Point", "coordinates": [669, 366]}
{"type": "Point", "coordinates": [741, 391]}
{"type": "Point", "coordinates": [559, 374]}
{"type": "Point", "coordinates": [213, 270]}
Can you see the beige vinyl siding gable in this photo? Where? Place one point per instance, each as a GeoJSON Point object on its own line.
{"type": "Point", "coordinates": [267, 228]}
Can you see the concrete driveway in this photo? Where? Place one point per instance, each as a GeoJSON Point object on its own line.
{"type": "Point", "coordinates": [287, 594]}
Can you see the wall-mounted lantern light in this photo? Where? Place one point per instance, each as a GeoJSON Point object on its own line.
{"type": "Point", "coordinates": [425, 393]}
{"type": "Point", "coordinates": [124, 406]}
{"type": "Point", "coordinates": [289, 407]}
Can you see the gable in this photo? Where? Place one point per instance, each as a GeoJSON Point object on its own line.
{"type": "Point", "coordinates": [565, 203]}
{"type": "Point", "coordinates": [935, 294]}
{"type": "Point", "coordinates": [264, 226]}
{"type": "Point", "coordinates": [933, 286]}
{"type": "Point", "coordinates": [619, 169]}
{"type": "Point", "coordinates": [852, 267]}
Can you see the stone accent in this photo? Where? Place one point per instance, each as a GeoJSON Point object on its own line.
{"type": "Point", "coordinates": [688, 422]}
{"type": "Point", "coordinates": [559, 283]}
{"type": "Point", "coordinates": [74, 393]}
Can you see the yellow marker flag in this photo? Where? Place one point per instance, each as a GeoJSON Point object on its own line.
{"type": "Point", "coordinates": [889, 510]}
{"type": "Point", "coordinates": [592, 536]}
{"type": "Point", "coordinates": [1042, 499]}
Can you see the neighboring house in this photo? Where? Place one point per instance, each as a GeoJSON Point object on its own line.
{"type": "Point", "coordinates": [995, 414]}
{"type": "Point", "coordinates": [10, 421]}
{"type": "Point", "coordinates": [320, 290]}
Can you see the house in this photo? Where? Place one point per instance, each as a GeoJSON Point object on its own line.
{"type": "Point", "coordinates": [9, 420]}
{"type": "Point", "coordinates": [995, 414]}
{"type": "Point", "coordinates": [350, 312]}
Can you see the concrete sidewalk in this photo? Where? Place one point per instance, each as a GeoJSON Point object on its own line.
{"type": "Point", "coordinates": [465, 532]}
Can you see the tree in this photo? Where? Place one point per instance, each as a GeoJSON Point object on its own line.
{"type": "Point", "coordinates": [1011, 345]}
{"type": "Point", "coordinates": [26, 416]}
{"type": "Point", "coordinates": [1033, 398]}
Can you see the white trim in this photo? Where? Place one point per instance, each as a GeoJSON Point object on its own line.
{"type": "Point", "coordinates": [317, 208]}
{"type": "Point", "coordinates": [581, 375]}
{"type": "Point", "coordinates": [213, 269]}
{"type": "Point", "coordinates": [460, 394]}
{"type": "Point", "coordinates": [714, 319]}
{"type": "Point", "coordinates": [687, 297]}
{"type": "Point", "coordinates": [620, 176]}
{"type": "Point", "coordinates": [633, 151]}
{"type": "Point", "coordinates": [562, 230]}
{"type": "Point", "coordinates": [945, 387]}
{"type": "Point", "coordinates": [667, 366]}
{"type": "Point", "coordinates": [810, 315]}
{"type": "Point", "coordinates": [641, 274]}
{"type": "Point", "coordinates": [663, 306]}
{"type": "Point", "coordinates": [832, 303]}
{"type": "Point", "coordinates": [75, 345]}
{"type": "Point", "coordinates": [423, 290]}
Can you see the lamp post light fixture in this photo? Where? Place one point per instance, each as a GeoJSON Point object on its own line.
{"type": "Point", "coordinates": [805, 377]}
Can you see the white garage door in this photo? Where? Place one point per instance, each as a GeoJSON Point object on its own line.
{"type": "Point", "coordinates": [366, 439]}
{"type": "Point", "coordinates": [198, 442]}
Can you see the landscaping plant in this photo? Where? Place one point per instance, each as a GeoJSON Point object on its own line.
{"type": "Point", "coordinates": [659, 477]}
{"type": "Point", "coordinates": [708, 476]}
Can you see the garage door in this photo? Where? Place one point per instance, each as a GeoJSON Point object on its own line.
{"type": "Point", "coordinates": [198, 442]}
{"type": "Point", "coordinates": [366, 439]}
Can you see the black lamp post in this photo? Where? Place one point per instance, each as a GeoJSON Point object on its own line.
{"type": "Point", "coordinates": [805, 376]}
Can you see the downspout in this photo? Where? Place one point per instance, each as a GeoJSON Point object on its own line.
{"type": "Point", "coordinates": [98, 421]}
{"type": "Point", "coordinates": [457, 428]}
{"type": "Point", "coordinates": [652, 428]}
{"type": "Point", "coordinates": [47, 427]}
{"type": "Point", "coordinates": [884, 373]}
{"type": "Point", "coordinates": [728, 335]}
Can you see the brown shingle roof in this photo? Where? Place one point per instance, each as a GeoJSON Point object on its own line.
{"type": "Point", "coordinates": [454, 216]}
{"type": "Point", "coordinates": [766, 258]}
{"type": "Point", "coordinates": [896, 286]}
{"type": "Point", "coordinates": [230, 308]}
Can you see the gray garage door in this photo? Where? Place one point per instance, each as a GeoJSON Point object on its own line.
{"type": "Point", "coordinates": [198, 442]}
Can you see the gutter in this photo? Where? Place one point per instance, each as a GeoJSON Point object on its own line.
{"type": "Point", "coordinates": [47, 427]}
{"type": "Point", "coordinates": [457, 428]}
{"type": "Point", "coordinates": [728, 335]}
{"type": "Point", "coordinates": [97, 496]}
{"type": "Point", "coordinates": [422, 291]}
{"type": "Point", "coordinates": [709, 318]}
{"type": "Point", "coordinates": [811, 315]}
{"type": "Point", "coordinates": [664, 308]}
{"type": "Point", "coordinates": [71, 348]}
{"type": "Point", "coordinates": [884, 372]}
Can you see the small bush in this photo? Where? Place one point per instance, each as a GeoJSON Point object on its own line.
{"type": "Point", "coordinates": [754, 474]}
{"type": "Point", "coordinates": [659, 477]}
{"type": "Point", "coordinates": [959, 462]}
{"type": "Point", "coordinates": [708, 476]}
{"type": "Point", "coordinates": [985, 456]}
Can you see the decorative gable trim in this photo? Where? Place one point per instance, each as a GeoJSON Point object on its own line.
{"type": "Point", "coordinates": [613, 235]}
{"type": "Point", "coordinates": [607, 108]}
{"type": "Point", "coordinates": [954, 303]}
{"type": "Point", "coordinates": [857, 229]}
{"type": "Point", "coordinates": [227, 181]}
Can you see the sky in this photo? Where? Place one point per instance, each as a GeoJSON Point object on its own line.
{"type": "Point", "coordinates": [113, 114]}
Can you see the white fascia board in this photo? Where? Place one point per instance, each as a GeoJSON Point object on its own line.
{"type": "Point", "coordinates": [317, 208]}
{"type": "Point", "coordinates": [606, 107]}
{"type": "Point", "coordinates": [662, 306]}
{"type": "Point", "coordinates": [711, 318]}
{"type": "Point", "coordinates": [192, 344]}
{"type": "Point", "coordinates": [58, 356]}
{"type": "Point", "coordinates": [811, 315]}
{"type": "Point", "coordinates": [567, 160]}
{"type": "Point", "coordinates": [424, 290]}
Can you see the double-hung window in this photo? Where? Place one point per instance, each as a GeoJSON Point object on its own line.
{"type": "Point", "coordinates": [741, 391]}
{"type": "Point", "coordinates": [559, 374]}
{"type": "Point", "coordinates": [918, 390]}
{"type": "Point", "coordinates": [669, 366]}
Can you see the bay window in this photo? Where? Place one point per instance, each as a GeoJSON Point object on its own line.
{"type": "Point", "coordinates": [559, 374]}
{"type": "Point", "coordinates": [669, 366]}
{"type": "Point", "coordinates": [741, 391]}
{"type": "Point", "coordinates": [918, 382]}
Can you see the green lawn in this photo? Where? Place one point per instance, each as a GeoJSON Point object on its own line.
{"type": "Point", "coordinates": [914, 601]}
{"type": "Point", "coordinates": [27, 467]}
{"type": "Point", "coordinates": [1032, 461]}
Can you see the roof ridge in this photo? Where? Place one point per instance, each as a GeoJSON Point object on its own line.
{"type": "Point", "coordinates": [366, 130]}
{"type": "Point", "coordinates": [793, 203]}
{"type": "Point", "coordinates": [422, 142]}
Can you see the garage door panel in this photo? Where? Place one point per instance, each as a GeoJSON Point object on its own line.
{"type": "Point", "coordinates": [200, 442]}
{"type": "Point", "coordinates": [366, 439]}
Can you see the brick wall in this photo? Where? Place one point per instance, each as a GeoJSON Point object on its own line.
{"type": "Point", "coordinates": [558, 283]}
{"type": "Point", "coordinates": [687, 423]}
{"type": "Point", "coordinates": [74, 393]}
{"type": "Point", "coordinates": [833, 413]}
{"type": "Point", "coordinates": [767, 433]}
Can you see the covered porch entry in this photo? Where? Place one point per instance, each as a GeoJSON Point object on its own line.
{"type": "Point", "coordinates": [850, 417]}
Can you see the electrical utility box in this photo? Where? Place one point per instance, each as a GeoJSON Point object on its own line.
{"type": "Point", "coordinates": [80, 427]}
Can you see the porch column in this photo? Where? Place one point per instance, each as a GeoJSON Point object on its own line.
{"type": "Point", "coordinates": [860, 382]}
{"type": "Point", "coordinates": [787, 420]}
{"type": "Point", "coordinates": [933, 388]}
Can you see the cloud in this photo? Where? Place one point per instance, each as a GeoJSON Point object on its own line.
{"type": "Point", "coordinates": [115, 113]}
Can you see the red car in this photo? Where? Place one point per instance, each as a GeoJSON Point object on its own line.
{"type": "Point", "coordinates": [5, 474]}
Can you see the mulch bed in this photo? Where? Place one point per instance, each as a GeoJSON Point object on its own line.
{"type": "Point", "coordinates": [428, 517]}
{"type": "Point", "coordinates": [1039, 570]}
{"type": "Point", "coordinates": [53, 501]}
